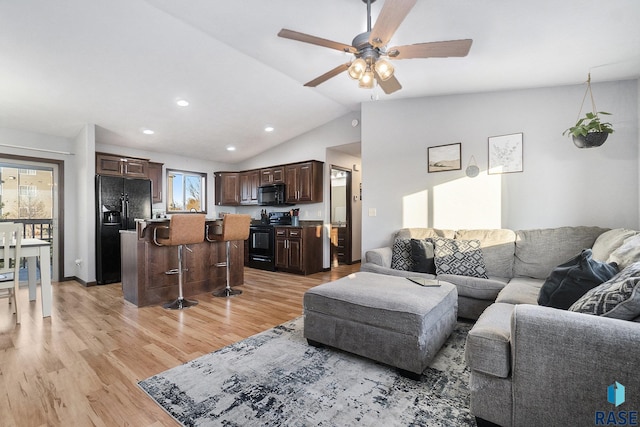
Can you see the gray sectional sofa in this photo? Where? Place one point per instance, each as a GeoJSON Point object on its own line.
{"type": "Point", "coordinates": [529, 364]}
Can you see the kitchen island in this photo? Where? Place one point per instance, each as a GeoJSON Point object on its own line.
{"type": "Point", "coordinates": [144, 264]}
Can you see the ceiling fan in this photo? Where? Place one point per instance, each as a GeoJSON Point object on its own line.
{"type": "Point", "coordinates": [370, 62]}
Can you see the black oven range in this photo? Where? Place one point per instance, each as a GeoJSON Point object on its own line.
{"type": "Point", "coordinates": [262, 241]}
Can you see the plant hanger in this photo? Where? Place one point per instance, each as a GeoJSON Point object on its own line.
{"type": "Point", "coordinates": [590, 93]}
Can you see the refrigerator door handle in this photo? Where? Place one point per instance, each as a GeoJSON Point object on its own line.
{"type": "Point", "coordinates": [126, 211]}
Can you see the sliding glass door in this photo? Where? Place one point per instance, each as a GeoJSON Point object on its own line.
{"type": "Point", "coordinates": [29, 196]}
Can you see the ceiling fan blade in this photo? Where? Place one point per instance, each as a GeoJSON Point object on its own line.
{"type": "Point", "coordinates": [391, 16]}
{"type": "Point", "coordinates": [306, 38]}
{"type": "Point", "coordinates": [390, 85]}
{"type": "Point", "coordinates": [431, 50]}
{"type": "Point", "coordinates": [326, 76]}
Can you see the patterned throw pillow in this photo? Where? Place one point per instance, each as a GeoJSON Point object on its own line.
{"type": "Point", "coordinates": [618, 298]}
{"type": "Point", "coordinates": [401, 255]}
{"type": "Point", "coordinates": [460, 257]}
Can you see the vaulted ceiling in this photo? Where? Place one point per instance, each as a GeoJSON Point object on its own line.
{"type": "Point", "coordinates": [122, 64]}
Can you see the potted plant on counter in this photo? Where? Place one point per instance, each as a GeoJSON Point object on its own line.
{"type": "Point", "coordinates": [589, 131]}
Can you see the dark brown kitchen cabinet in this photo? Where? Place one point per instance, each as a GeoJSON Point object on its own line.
{"type": "Point", "coordinates": [274, 175]}
{"type": "Point", "coordinates": [249, 183]}
{"type": "Point", "coordinates": [155, 175]}
{"type": "Point", "coordinates": [114, 165]}
{"type": "Point", "coordinates": [304, 182]}
{"type": "Point", "coordinates": [227, 188]}
{"type": "Point", "coordinates": [299, 249]}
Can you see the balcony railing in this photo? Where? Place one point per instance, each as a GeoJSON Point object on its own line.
{"type": "Point", "coordinates": [35, 228]}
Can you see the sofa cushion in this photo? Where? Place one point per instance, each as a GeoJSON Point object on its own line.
{"type": "Point", "coordinates": [609, 241]}
{"type": "Point", "coordinates": [422, 256]}
{"type": "Point", "coordinates": [618, 298]}
{"type": "Point", "coordinates": [488, 344]}
{"type": "Point", "coordinates": [401, 255]}
{"type": "Point", "coordinates": [521, 290]}
{"type": "Point", "coordinates": [475, 287]}
{"type": "Point", "coordinates": [497, 246]}
{"type": "Point", "coordinates": [424, 233]}
{"type": "Point", "coordinates": [539, 251]}
{"type": "Point", "coordinates": [461, 257]}
{"type": "Point", "coordinates": [572, 279]}
{"type": "Point", "coordinates": [627, 253]}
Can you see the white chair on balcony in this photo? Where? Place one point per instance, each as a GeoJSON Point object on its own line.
{"type": "Point", "coordinates": [10, 235]}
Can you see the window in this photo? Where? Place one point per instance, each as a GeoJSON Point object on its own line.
{"type": "Point", "coordinates": [186, 191]}
{"type": "Point", "coordinates": [28, 190]}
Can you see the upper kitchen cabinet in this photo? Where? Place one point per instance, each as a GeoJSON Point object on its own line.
{"type": "Point", "coordinates": [304, 182]}
{"type": "Point", "coordinates": [155, 175]}
{"type": "Point", "coordinates": [114, 165]}
{"type": "Point", "coordinates": [227, 188]}
{"type": "Point", "coordinates": [273, 175]}
{"type": "Point", "coordinates": [249, 183]}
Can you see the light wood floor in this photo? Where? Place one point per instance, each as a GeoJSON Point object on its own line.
{"type": "Point", "coordinates": [80, 367]}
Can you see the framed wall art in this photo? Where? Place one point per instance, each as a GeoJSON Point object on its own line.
{"type": "Point", "coordinates": [443, 158]}
{"type": "Point", "coordinates": [505, 153]}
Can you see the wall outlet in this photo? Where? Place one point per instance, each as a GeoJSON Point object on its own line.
{"type": "Point", "coordinates": [319, 214]}
{"type": "Point", "coordinates": [372, 212]}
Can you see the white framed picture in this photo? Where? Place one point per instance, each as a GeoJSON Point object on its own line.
{"type": "Point", "coordinates": [505, 153]}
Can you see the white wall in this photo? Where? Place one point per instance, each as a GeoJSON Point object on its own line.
{"type": "Point", "coordinates": [560, 184]}
{"type": "Point", "coordinates": [83, 223]}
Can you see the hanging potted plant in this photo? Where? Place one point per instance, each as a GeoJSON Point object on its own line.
{"type": "Point", "coordinates": [589, 131]}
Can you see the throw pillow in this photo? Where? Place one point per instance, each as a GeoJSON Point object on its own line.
{"type": "Point", "coordinates": [626, 254]}
{"type": "Point", "coordinates": [569, 281]}
{"type": "Point", "coordinates": [618, 298]}
{"type": "Point", "coordinates": [401, 255]}
{"type": "Point", "coordinates": [422, 256]}
{"type": "Point", "coordinates": [460, 257]}
{"type": "Point", "coordinates": [609, 241]}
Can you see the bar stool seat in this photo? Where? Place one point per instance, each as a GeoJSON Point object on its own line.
{"type": "Point", "coordinates": [183, 230]}
{"type": "Point", "coordinates": [234, 227]}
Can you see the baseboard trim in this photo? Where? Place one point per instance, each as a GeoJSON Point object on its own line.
{"type": "Point", "coordinates": [82, 282]}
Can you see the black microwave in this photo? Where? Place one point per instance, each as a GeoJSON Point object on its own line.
{"type": "Point", "coordinates": [271, 195]}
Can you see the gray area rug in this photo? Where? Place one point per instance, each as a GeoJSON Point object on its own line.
{"type": "Point", "coordinates": [276, 379]}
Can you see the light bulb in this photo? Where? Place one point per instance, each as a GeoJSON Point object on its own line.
{"type": "Point", "coordinates": [357, 68]}
{"type": "Point", "coordinates": [384, 69]}
{"type": "Point", "coordinates": [366, 81]}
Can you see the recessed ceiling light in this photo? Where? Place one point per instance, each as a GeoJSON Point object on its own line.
{"type": "Point", "coordinates": [182, 102]}
{"type": "Point", "coordinates": [231, 148]}
{"type": "Point", "coordinates": [269, 129]}
{"type": "Point", "coordinates": [148, 132]}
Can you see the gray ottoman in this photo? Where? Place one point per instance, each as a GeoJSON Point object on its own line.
{"type": "Point", "coordinates": [385, 318]}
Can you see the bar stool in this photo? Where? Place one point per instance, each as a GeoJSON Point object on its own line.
{"type": "Point", "coordinates": [183, 229]}
{"type": "Point", "coordinates": [234, 227]}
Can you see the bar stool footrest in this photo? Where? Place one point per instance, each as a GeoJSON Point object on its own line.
{"type": "Point", "coordinates": [226, 292]}
{"type": "Point", "coordinates": [180, 303]}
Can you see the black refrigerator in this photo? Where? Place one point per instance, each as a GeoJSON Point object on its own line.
{"type": "Point", "coordinates": [119, 201]}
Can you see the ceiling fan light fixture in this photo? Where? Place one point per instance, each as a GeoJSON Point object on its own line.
{"type": "Point", "coordinates": [366, 81]}
{"type": "Point", "coordinates": [384, 69]}
{"type": "Point", "coordinates": [357, 69]}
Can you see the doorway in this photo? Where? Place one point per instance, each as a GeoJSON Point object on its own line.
{"type": "Point", "coordinates": [30, 194]}
{"type": "Point", "coordinates": [341, 221]}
